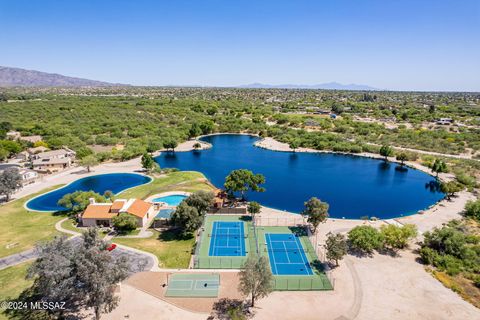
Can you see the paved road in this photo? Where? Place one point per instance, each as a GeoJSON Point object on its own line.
{"type": "Point", "coordinates": [18, 258]}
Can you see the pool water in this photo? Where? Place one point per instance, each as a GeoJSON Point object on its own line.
{"type": "Point", "coordinates": [172, 200]}
{"type": "Point", "coordinates": [115, 182]}
{"type": "Point", "coordinates": [353, 186]}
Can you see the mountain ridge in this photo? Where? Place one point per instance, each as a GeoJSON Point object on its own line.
{"type": "Point", "coordinates": [18, 77]}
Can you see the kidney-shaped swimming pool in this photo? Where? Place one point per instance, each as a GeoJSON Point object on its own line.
{"type": "Point", "coordinates": [115, 182]}
{"type": "Point", "coordinates": [354, 186]}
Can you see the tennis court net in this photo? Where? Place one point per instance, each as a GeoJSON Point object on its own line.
{"type": "Point", "coordinates": [286, 250]}
{"type": "Point", "coordinates": [230, 235]}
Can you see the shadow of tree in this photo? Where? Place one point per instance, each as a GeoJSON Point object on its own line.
{"type": "Point", "coordinates": [173, 234]}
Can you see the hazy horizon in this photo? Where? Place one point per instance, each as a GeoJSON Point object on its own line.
{"type": "Point", "coordinates": [404, 46]}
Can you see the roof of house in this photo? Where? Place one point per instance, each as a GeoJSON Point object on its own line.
{"type": "Point", "coordinates": [138, 208]}
{"type": "Point", "coordinates": [98, 211]}
{"type": "Point", "coordinates": [118, 204]}
{"type": "Point", "coordinates": [53, 153]}
{"type": "Point", "coordinates": [37, 149]}
{"type": "Point", "coordinates": [31, 139]}
{"type": "Point", "coordinates": [42, 161]}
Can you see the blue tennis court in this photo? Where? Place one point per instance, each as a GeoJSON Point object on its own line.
{"type": "Point", "coordinates": [286, 254]}
{"type": "Point", "coordinates": [227, 239]}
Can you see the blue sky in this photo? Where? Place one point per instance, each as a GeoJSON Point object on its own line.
{"type": "Point", "coordinates": [404, 45]}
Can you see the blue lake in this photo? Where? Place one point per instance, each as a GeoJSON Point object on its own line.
{"type": "Point", "coordinates": [353, 186]}
{"type": "Point", "coordinates": [115, 182]}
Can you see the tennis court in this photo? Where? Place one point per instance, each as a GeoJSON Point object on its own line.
{"type": "Point", "coordinates": [193, 285]}
{"type": "Point", "coordinates": [227, 239]}
{"type": "Point", "coordinates": [287, 255]}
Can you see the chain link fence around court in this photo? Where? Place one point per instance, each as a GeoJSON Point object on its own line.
{"type": "Point", "coordinates": [200, 232]}
{"type": "Point", "coordinates": [219, 262]}
{"type": "Point", "coordinates": [303, 284]}
{"type": "Point", "coordinates": [295, 220]}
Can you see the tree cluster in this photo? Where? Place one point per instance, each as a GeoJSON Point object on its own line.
{"type": "Point", "coordinates": [10, 181]}
{"type": "Point", "coordinates": [189, 214]}
{"type": "Point", "coordinates": [81, 275]}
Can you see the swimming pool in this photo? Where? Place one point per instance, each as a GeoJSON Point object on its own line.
{"type": "Point", "coordinates": [115, 182]}
{"type": "Point", "coordinates": [172, 200]}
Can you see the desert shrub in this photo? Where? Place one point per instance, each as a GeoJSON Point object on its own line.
{"type": "Point", "coordinates": [365, 239]}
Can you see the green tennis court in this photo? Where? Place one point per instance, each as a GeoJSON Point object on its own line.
{"type": "Point", "coordinates": [193, 285]}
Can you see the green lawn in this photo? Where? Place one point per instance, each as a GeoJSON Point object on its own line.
{"type": "Point", "coordinates": [20, 229]}
{"type": "Point", "coordinates": [13, 282]}
{"type": "Point", "coordinates": [172, 250]}
{"type": "Point", "coordinates": [71, 224]}
{"type": "Point", "coordinates": [188, 181]}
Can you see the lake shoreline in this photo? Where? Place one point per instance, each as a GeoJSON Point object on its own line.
{"type": "Point", "coordinates": [274, 145]}
{"type": "Point", "coordinates": [133, 165]}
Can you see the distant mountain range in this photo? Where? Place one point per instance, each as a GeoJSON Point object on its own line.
{"type": "Point", "coordinates": [16, 77]}
{"type": "Point", "coordinates": [327, 86]}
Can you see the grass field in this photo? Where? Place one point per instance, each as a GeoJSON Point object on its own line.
{"type": "Point", "coordinates": [189, 181]}
{"type": "Point", "coordinates": [13, 282]}
{"type": "Point", "coordinates": [172, 250]}
{"type": "Point", "coordinates": [20, 229]}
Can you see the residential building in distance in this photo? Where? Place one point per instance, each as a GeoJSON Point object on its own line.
{"type": "Point", "coordinates": [28, 176]}
{"type": "Point", "coordinates": [23, 156]}
{"type": "Point", "coordinates": [53, 161]}
{"type": "Point", "coordinates": [31, 139]}
{"type": "Point", "coordinates": [36, 150]}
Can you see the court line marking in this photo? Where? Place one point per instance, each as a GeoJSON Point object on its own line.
{"type": "Point", "coordinates": [193, 285]}
{"type": "Point", "coordinates": [302, 254]}
{"type": "Point", "coordinates": [286, 252]}
{"type": "Point", "coordinates": [298, 248]}
{"type": "Point", "coordinates": [241, 227]}
{"type": "Point", "coordinates": [237, 227]}
{"type": "Point", "coordinates": [273, 256]}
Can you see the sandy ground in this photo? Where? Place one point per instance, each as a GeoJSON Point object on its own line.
{"type": "Point", "coordinates": [135, 304]}
{"type": "Point", "coordinates": [381, 287]}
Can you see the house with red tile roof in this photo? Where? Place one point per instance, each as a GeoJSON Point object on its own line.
{"type": "Point", "coordinates": [101, 214]}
